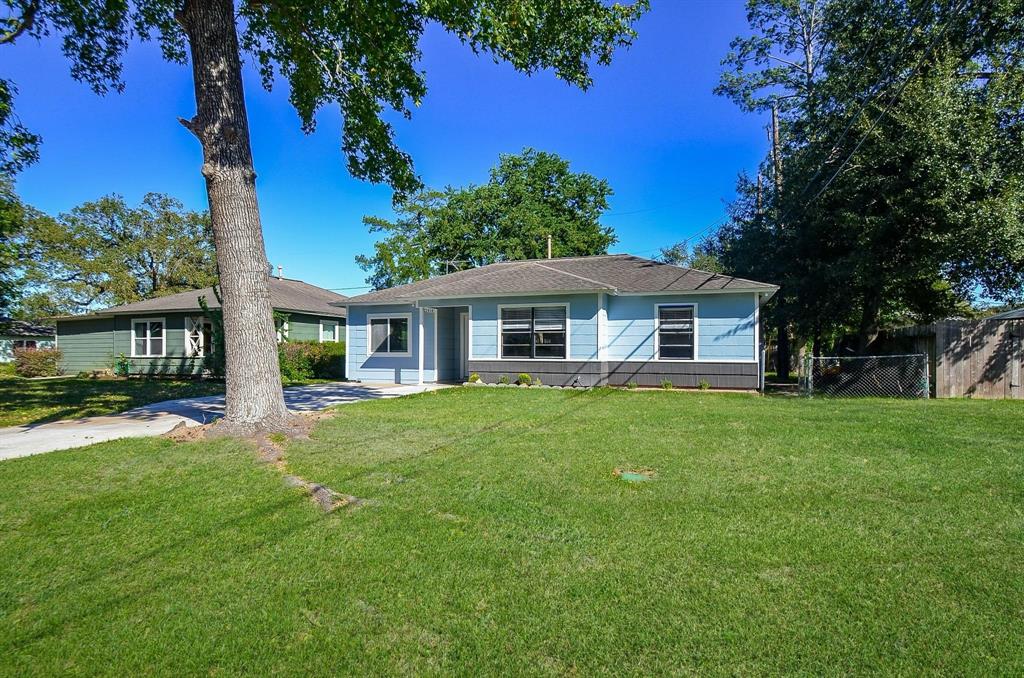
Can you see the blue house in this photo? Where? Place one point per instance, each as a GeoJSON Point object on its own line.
{"type": "Point", "coordinates": [586, 321]}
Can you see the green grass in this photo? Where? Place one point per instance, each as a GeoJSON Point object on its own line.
{"type": "Point", "coordinates": [778, 536]}
{"type": "Point", "coordinates": [34, 401]}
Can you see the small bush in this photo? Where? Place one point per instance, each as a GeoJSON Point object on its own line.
{"type": "Point", "coordinates": [536, 381]}
{"type": "Point", "coordinates": [667, 384]}
{"type": "Point", "coordinates": [474, 378]}
{"type": "Point", "coordinates": [37, 362]}
{"type": "Point", "coordinates": [523, 379]}
{"type": "Point", "coordinates": [632, 385]}
{"type": "Point", "coordinates": [122, 366]}
{"type": "Point", "coordinates": [704, 385]}
{"type": "Point", "coordinates": [503, 379]}
{"type": "Point", "coordinates": [300, 360]}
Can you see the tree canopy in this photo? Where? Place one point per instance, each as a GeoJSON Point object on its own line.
{"type": "Point", "coordinates": [528, 197]}
{"type": "Point", "coordinates": [106, 253]}
{"type": "Point", "coordinates": [898, 192]}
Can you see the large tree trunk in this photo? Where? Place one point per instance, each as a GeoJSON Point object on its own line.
{"type": "Point", "coordinates": [254, 396]}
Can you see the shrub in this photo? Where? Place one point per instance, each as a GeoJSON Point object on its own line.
{"type": "Point", "coordinates": [474, 378]}
{"type": "Point", "coordinates": [632, 385]}
{"type": "Point", "coordinates": [37, 362]}
{"type": "Point", "coordinates": [300, 360]}
{"type": "Point", "coordinates": [523, 379]}
{"type": "Point", "coordinates": [667, 384]}
{"type": "Point", "coordinates": [503, 379]}
{"type": "Point", "coordinates": [704, 385]}
{"type": "Point", "coordinates": [122, 366]}
{"type": "Point", "coordinates": [536, 381]}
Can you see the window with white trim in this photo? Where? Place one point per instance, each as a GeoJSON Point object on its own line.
{"type": "Point", "coordinates": [148, 338]}
{"type": "Point", "coordinates": [198, 336]}
{"type": "Point", "coordinates": [29, 344]}
{"type": "Point", "coordinates": [675, 333]}
{"type": "Point", "coordinates": [329, 330]}
{"type": "Point", "coordinates": [533, 332]}
{"type": "Point", "coordinates": [389, 335]}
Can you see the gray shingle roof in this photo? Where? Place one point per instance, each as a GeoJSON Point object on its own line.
{"type": "Point", "coordinates": [613, 273]}
{"type": "Point", "coordinates": [285, 295]}
{"type": "Point", "coordinates": [10, 327]}
{"type": "Point", "coordinates": [1012, 314]}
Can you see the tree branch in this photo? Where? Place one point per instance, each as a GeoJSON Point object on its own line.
{"type": "Point", "coordinates": [23, 24]}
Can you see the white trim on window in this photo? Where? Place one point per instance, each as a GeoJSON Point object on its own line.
{"type": "Point", "coordinates": [190, 327]}
{"type": "Point", "coordinates": [370, 317]}
{"type": "Point", "coordinates": [562, 304]}
{"type": "Point", "coordinates": [657, 330]}
{"type": "Point", "coordinates": [163, 336]}
{"type": "Point", "coordinates": [335, 334]}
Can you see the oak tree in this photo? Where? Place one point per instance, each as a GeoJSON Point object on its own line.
{"type": "Point", "coordinates": [360, 54]}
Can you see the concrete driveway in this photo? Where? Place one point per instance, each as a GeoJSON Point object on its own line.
{"type": "Point", "coordinates": [158, 418]}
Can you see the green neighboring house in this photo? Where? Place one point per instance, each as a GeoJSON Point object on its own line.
{"type": "Point", "coordinates": [170, 336]}
{"type": "Point", "coordinates": [22, 334]}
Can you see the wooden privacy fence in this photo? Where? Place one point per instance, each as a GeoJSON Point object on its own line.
{"type": "Point", "coordinates": [968, 358]}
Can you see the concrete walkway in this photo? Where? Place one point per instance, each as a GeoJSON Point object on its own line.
{"type": "Point", "coordinates": [158, 418]}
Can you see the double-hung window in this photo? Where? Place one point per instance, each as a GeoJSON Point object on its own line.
{"type": "Point", "coordinates": [533, 332]}
{"type": "Point", "coordinates": [329, 330]}
{"type": "Point", "coordinates": [148, 338]}
{"type": "Point", "coordinates": [389, 335]}
{"type": "Point", "coordinates": [676, 332]}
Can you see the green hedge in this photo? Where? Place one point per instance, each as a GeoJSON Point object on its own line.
{"type": "Point", "coordinates": [37, 362]}
{"type": "Point", "coordinates": [311, 360]}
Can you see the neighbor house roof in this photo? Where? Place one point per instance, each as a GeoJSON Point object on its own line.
{"type": "Point", "coordinates": [10, 327]}
{"type": "Point", "coordinates": [1014, 314]}
{"type": "Point", "coordinates": [285, 295]}
{"type": "Point", "coordinates": [612, 273]}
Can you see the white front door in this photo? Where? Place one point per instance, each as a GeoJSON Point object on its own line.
{"type": "Point", "coordinates": [463, 346]}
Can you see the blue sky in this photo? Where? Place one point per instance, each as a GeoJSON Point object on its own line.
{"type": "Point", "coordinates": [650, 126]}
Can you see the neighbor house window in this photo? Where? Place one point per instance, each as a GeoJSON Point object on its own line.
{"type": "Point", "coordinates": [198, 337]}
{"type": "Point", "coordinates": [25, 343]}
{"type": "Point", "coordinates": [329, 330]}
{"type": "Point", "coordinates": [148, 338]}
{"type": "Point", "coordinates": [533, 332]}
{"type": "Point", "coordinates": [389, 335]}
{"type": "Point", "coordinates": [675, 333]}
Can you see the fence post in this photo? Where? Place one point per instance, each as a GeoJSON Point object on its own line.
{"type": "Point", "coordinates": [927, 378]}
{"type": "Point", "coordinates": [809, 371]}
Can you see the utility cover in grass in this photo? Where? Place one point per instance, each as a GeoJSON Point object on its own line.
{"type": "Point", "coordinates": [640, 475]}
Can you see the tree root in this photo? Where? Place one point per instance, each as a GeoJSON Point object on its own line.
{"type": "Point", "coordinates": [269, 442]}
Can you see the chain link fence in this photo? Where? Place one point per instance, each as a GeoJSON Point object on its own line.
{"type": "Point", "coordinates": [875, 376]}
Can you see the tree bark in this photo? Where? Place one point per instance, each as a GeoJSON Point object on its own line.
{"type": "Point", "coordinates": [254, 396]}
{"type": "Point", "coordinates": [782, 351]}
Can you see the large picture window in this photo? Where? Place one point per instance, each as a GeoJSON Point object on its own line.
{"type": "Point", "coordinates": [389, 335]}
{"type": "Point", "coordinates": [148, 338]}
{"type": "Point", "coordinates": [533, 332]}
{"type": "Point", "coordinates": [675, 333]}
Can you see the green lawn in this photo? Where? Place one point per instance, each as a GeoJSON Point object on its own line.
{"type": "Point", "coordinates": [780, 535]}
{"type": "Point", "coordinates": [33, 401]}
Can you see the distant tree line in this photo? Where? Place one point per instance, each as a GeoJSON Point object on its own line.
{"type": "Point", "coordinates": [101, 253]}
{"type": "Point", "coordinates": [529, 197]}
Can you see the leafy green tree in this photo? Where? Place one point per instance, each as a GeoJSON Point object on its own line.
{"type": "Point", "coordinates": [528, 197]}
{"type": "Point", "coordinates": [901, 192]}
{"type": "Point", "coordinates": [12, 223]}
{"type": "Point", "coordinates": [106, 253]}
{"type": "Point", "coordinates": [361, 54]}
{"type": "Point", "coordinates": [702, 256]}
